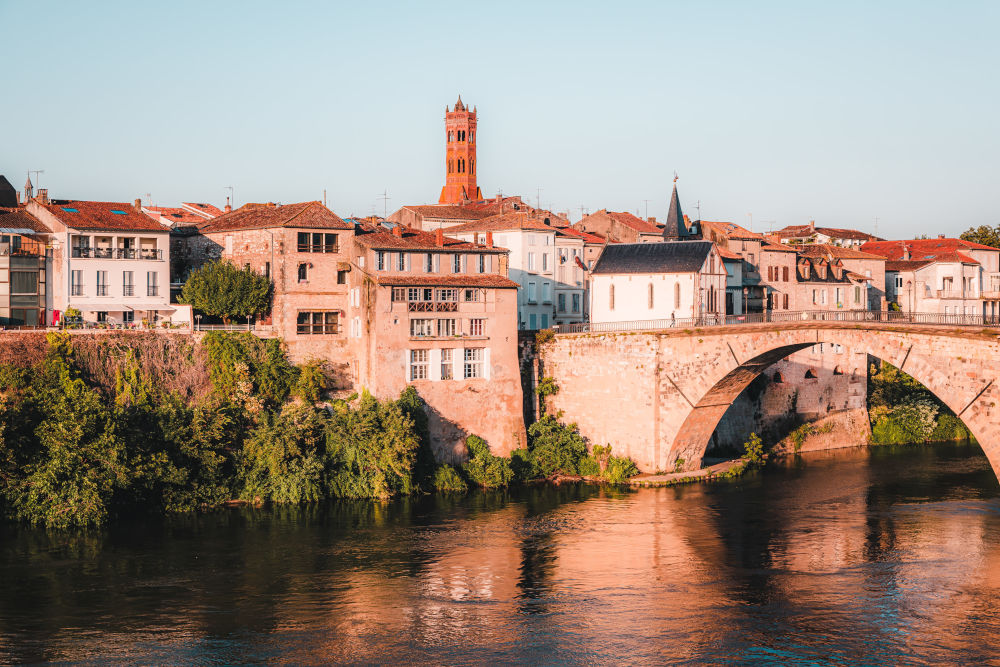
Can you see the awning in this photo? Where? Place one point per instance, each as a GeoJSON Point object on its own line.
{"type": "Point", "coordinates": [17, 230]}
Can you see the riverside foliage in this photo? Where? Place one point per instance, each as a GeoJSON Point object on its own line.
{"type": "Point", "coordinates": [903, 411]}
{"type": "Point", "coordinates": [83, 441]}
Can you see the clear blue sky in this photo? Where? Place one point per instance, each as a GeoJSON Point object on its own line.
{"type": "Point", "coordinates": [838, 111]}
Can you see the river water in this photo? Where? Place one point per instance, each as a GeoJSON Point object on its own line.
{"type": "Point", "coordinates": [882, 556]}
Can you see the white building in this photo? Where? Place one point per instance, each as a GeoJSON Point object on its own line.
{"type": "Point", "coordinates": [658, 281]}
{"type": "Point", "coordinates": [109, 260]}
{"type": "Point", "coordinates": [542, 262]}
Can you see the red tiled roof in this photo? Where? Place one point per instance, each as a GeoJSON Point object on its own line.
{"type": "Point", "coordinates": [304, 215]}
{"type": "Point", "coordinates": [802, 231]}
{"type": "Point", "coordinates": [945, 250]}
{"type": "Point", "coordinates": [632, 222]}
{"type": "Point", "coordinates": [453, 212]}
{"type": "Point", "coordinates": [454, 280]}
{"type": "Point", "coordinates": [205, 210]}
{"type": "Point", "coordinates": [588, 237]}
{"type": "Point", "coordinates": [776, 247]}
{"type": "Point", "coordinates": [730, 230]}
{"type": "Point", "coordinates": [906, 264]}
{"type": "Point", "coordinates": [98, 216]}
{"type": "Point", "coordinates": [380, 238]}
{"type": "Point", "coordinates": [729, 254]}
{"type": "Point", "coordinates": [18, 218]}
{"type": "Point", "coordinates": [173, 215]}
{"type": "Point", "coordinates": [830, 250]}
{"type": "Point", "coordinates": [504, 222]}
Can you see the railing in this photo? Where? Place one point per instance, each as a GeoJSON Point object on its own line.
{"type": "Point", "coordinates": [128, 290]}
{"type": "Point", "coordinates": [232, 326]}
{"type": "Point", "coordinates": [431, 306]}
{"type": "Point", "coordinates": [954, 294]}
{"type": "Point", "coordinates": [791, 317]}
{"type": "Point", "coordinates": [82, 252]}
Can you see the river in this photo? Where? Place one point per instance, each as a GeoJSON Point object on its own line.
{"type": "Point", "coordinates": [863, 556]}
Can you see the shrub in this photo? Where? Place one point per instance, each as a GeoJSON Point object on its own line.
{"type": "Point", "coordinates": [281, 461]}
{"type": "Point", "coordinates": [220, 289]}
{"type": "Point", "coordinates": [950, 427]}
{"type": "Point", "coordinates": [620, 469]}
{"type": "Point", "coordinates": [555, 447]}
{"type": "Point", "coordinates": [753, 452]}
{"type": "Point", "coordinates": [483, 469]}
{"type": "Point", "coordinates": [447, 480]}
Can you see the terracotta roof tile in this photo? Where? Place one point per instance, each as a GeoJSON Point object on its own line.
{"type": "Point", "coordinates": [101, 216]}
{"type": "Point", "coordinates": [802, 231]}
{"type": "Point", "coordinates": [729, 230]}
{"type": "Point", "coordinates": [906, 264]}
{"type": "Point", "coordinates": [453, 212]}
{"type": "Point", "coordinates": [205, 210]}
{"type": "Point", "coordinates": [945, 250]}
{"type": "Point", "coordinates": [504, 222]}
{"type": "Point", "coordinates": [830, 250]}
{"type": "Point", "coordinates": [18, 218]}
{"type": "Point", "coordinates": [776, 247]}
{"type": "Point", "coordinates": [454, 280]}
{"type": "Point", "coordinates": [304, 215]}
{"type": "Point", "coordinates": [588, 237]}
{"type": "Point", "coordinates": [632, 222]}
{"type": "Point", "coordinates": [173, 215]}
{"type": "Point", "coordinates": [380, 238]}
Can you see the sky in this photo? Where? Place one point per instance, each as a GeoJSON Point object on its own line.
{"type": "Point", "coordinates": [851, 114]}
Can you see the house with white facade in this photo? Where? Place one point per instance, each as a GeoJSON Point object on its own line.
{"type": "Point", "coordinates": [546, 264]}
{"type": "Point", "coordinates": [109, 260]}
{"type": "Point", "coordinates": [658, 281]}
{"type": "Point", "coordinates": [844, 238]}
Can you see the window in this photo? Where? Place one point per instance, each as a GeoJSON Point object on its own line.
{"type": "Point", "coordinates": [303, 272]}
{"type": "Point", "coordinates": [784, 274]}
{"type": "Point", "coordinates": [785, 299]}
{"type": "Point", "coordinates": [576, 303]}
{"type": "Point", "coordinates": [418, 364]}
{"type": "Point", "coordinates": [482, 263]}
{"type": "Point", "coordinates": [380, 260]}
{"type": "Point", "coordinates": [546, 292]}
{"type": "Point", "coordinates": [401, 262]}
{"type": "Point", "coordinates": [899, 282]}
{"type": "Point", "coordinates": [76, 283]}
{"type": "Point", "coordinates": [611, 297]}
{"type": "Point", "coordinates": [477, 327]}
{"type": "Point", "coordinates": [25, 317]}
{"type": "Point", "coordinates": [152, 283]}
{"type": "Point", "coordinates": [448, 294]}
{"type": "Point", "coordinates": [677, 295]}
{"type": "Point", "coordinates": [531, 261]}
{"type": "Point", "coordinates": [447, 364]}
{"type": "Point", "coordinates": [474, 362]}
{"type": "Point", "coordinates": [341, 276]}
{"type": "Point", "coordinates": [532, 321]}
{"type": "Point", "coordinates": [472, 295]}
{"type": "Point", "coordinates": [857, 294]}
{"type": "Point", "coordinates": [267, 269]}
{"type": "Point", "coordinates": [446, 327]}
{"type": "Point", "coordinates": [810, 374]}
{"type": "Point", "coordinates": [532, 296]}
{"type": "Point", "coordinates": [456, 263]}
{"type": "Point", "coordinates": [102, 283]}
{"type": "Point", "coordinates": [650, 296]}
{"type": "Point", "coordinates": [545, 261]}
{"type": "Point", "coordinates": [429, 263]}
{"type": "Point", "coordinates": [128, 286]}
{"type": "Point", "coordinates": [102, 316]}
{"type": "Point", "coordinates": [24, 282]}
{"type": "Point", "coordinates": [399, 294]}
{"type": "Point", "coordinates": [308, 322]}
{"type": "Point", "coordinates": [316, 242]}
{"type": "Point", "coordinates": [545, 320]}
{"type": "Point", "coordinates": [561, 302]}
{"type": "Point", "coordinates": [128, 317]}
{"type": "Point", "coordinates": [421, 327]}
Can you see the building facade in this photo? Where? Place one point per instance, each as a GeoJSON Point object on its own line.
{"type": "Point", "coordinates": [460, 155]}
{"type": "Point", "coordinates": [23, 270]}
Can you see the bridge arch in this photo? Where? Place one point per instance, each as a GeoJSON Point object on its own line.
{"type": "Point", "coordinates": [658, 396]}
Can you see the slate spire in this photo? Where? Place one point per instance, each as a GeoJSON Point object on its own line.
{"type": "Point", "coordinates": [675, 229]}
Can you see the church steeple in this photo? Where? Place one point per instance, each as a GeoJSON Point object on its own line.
{"type": "Point", "coordinates": [29, 189]}
{"type": "Point", "coordinates": [675, 229]}
{"type": "Point", "coordinates": [460, 156]}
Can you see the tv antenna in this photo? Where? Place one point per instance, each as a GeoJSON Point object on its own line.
{"type": "Point", "coordinates": [876, 225]}
{"type": "Point", "coordinates": [697, 206]}
{"type": "Point", "coordinates": [385, 202]}
{"type": "Point", "coordinates": [36, 172]}
{"type": "Point", "coordinates": [647, 208]}
{"type": "Point", "coordinates": [538, 197]}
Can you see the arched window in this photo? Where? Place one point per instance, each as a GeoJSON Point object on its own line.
{"type": "Point", "coordinates": [303, 272]}
{"type": "Point", "coordinates": [611, 297]}
{"type": "Point", "coordinates": [472, 166]}
{"type": "Point", "coordinates": [650, 296]}
{"type": "Point", "coordinates": [451, 135]}
{"type": "Point", "coordinates": [810, 374]}
{"type": "Point", "coordinates": [837, 370]}
{"type": "Point", "coordinates": [777, 379]}
{"type": "Point", "coordinates": [472, 137]}
{"type": "Point", "coordinates": [677, 295]}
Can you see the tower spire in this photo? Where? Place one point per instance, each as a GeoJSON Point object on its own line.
{"type": "Point", "coordinates": [460, 156]}
{"type": "Point", "coordinates": [675, 229]}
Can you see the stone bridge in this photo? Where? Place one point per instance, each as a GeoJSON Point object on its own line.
{"type": "Point", "coordinates": [657, 396]}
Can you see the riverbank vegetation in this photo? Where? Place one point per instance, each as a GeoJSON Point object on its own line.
{"type": "Point", "coordinates": [903, 411]}
{"type": "Point", "coordinates": [102, 430]}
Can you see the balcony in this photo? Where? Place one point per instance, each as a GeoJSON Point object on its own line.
{"type": "Point", "coordinates": [432, 306]}
{"type": "Point", "coordinates": [953, 294]}
{"type": "Point", "coordinates": [128, 290]}
{"type": "Point", "coordinates": [84, 252]}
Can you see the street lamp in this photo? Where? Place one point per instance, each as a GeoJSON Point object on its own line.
{"type": "Point", "coordinates": [197, 322]}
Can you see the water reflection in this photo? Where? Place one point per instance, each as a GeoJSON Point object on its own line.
{"type": "Point", "coordinates": [884, 555]}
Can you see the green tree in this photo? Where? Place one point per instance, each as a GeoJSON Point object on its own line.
{"type": "Point", "coordinates": [483, 468]}
{"type": "Point", "coordinates": [555, 447]}
{"type": "Point", "coordinates": [281, 461]}
{"type": "Point", "coordinates": [983, 234]}
{"type": "Point", "coordinates": [220, 289]}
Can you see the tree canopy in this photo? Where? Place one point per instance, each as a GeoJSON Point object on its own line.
{"type": "Point", "coordinates": [983, 234]}
{"type": "Point", "coordinates": [220, 289]}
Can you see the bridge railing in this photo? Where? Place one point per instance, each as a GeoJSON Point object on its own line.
{"type": "Point", "coordinates": [790, 316]}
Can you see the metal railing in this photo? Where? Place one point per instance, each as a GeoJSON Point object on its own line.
{"type": "Point", "coordinates": [787, 316]}
{"type": "Point", "coordinates": [85, 252]}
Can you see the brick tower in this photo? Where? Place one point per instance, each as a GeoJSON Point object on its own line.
{"type": "Point", "coordinates": [460, 156]}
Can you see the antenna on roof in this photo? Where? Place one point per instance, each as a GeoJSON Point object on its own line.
{"type": "Point", "coordinates": [647, 208]}
{"type": "Point", "coordinates": [36, 172]}
{"type": "Point", "coordinates": [149, 198]}
{"type": "Point", "coordinates": [538, 197]}
{"type": "Point", "coordinates": [385, 202]}
{"type": "Point", "coordinates": [232, 196]}
{"type": "Point", "coordinates": [697, 205]}
{"type": "Point", "coordinates": [324, 197]}
{"type": "Point", "coordinates": [876, 225]}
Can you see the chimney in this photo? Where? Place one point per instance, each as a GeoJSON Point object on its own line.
{"type": "Point", "coordinates": [812, 225]}
{"type": "Point", "coordinates": [397, 231]}
{"type": "Point", "coordinates": [228, 207]}
{"type": "Point", "coordinates": [489, 239]}
{"type": "Point", "coordinates": [138, 205]}
{"type": "Point", "coordinates": [18, 196]}
{"type": "Point", "coordinates": [439, 238]}
{"type": "Point", "coordinates": [43, 196]}
{"type": "Point", "coordinates": [906, 252]}
{"type": "Point", "coordinates": [940, 236]}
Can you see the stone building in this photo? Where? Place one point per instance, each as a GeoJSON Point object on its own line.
{"type": "Point", "coordinates": [943, 276]}
{"type": "Point", "coordinates": [658, 281]}
{"type": "Point", "coordinates": [798, 234]}
{"type": "Point", "coordinates": [857, 263]}
{"type": "Point", "coordinates": [620, 227]}
{"type": "Point", "coordinates": [109, 260]}
{"type": "Point", "coordinates": [23, 275]}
